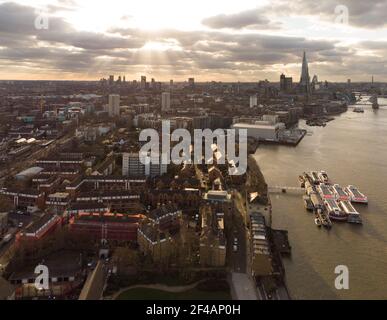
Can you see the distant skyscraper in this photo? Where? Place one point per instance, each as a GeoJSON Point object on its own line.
{"type": "Point", "coordinates": [114, 105]}
{"type": "Point", "coordinates": [170, 84]}
{"type": "Point", "coordinates": [191, 82]}
{"type": "Point", "coordinates": [305, 79]}
{"type": "Point", "coordinates": [111, 80]}
{"type": "Point", "coordinates": [143, 82]}
{"type": "Point", "coordinates": [165, 101]}
{"type": "Point", "coordinates": [286, 83]}
{"type": "Point", "coordinates": [253, 101]}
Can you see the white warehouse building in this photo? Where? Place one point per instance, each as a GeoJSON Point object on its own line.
{"type": "Point", "coordinates": [261, 131]}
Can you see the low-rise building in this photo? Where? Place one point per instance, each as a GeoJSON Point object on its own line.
{"type": "Point", "coordinates": [65, 275]}
{"type": "Point", "coordinates": [166, 217]}
{"type": "Point", "coordinates": [107, 225]}
{"type": "Point", "coordinates": [214, 196]}
{"type": "Point", "coordinates": [212, 238]}
{"type": "Point", "coordinates": [118, 201]}
{"type": "Point", "coordinates": [41, 228]}
{"type": "Point", "coordinates": [153, 242]}
{"type": "Point", "coordinates": [261, 131]}
{"type": "Point", "coordinates": [25, 198]}
{"type": "Point", "coordinates": [261, 257]}
{"type": "Point", "coordinates": [58, 201]}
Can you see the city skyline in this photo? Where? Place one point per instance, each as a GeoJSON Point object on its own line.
{"type": "Point", "coordinates": [245, 41]}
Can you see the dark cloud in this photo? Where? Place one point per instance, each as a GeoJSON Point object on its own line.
{"type": "Point", "coordinates": [366, 14]}
{"type": "Point", "coordinates": [19, 19]}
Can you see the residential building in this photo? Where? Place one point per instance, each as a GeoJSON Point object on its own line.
{"type": "Point", "coordinates": [114, 105]}
{"type": "Point", "coordinates": [165, 101]}
{"type": "Point", "coordinates": [212, 239]}
{"type": "Point", "coordinates": [41, 227]}
{"type": "Point", "coordinates": [253, 101]}
{"type": "Point", "coordinates": [133, 167]}
{"type": "Point", "coordinates": [106, 225]}
{"type": "Point", "coordinates": [153, 242]}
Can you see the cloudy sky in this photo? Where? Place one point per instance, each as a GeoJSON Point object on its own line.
{"type": "Point", "coordinates": [223, 40]}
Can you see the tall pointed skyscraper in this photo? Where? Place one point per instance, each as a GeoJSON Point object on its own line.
{"type": "Point", "coordinates": [305, 79]}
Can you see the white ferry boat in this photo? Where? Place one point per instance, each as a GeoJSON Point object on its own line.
{"type": "Point", "coordinates": [323, 177]}
{"type": "Point", "coordinates": [308, 188]}
{"type": "Point", "coordinates": [325, 191]}
{"type": "Point", "coordinates": [334, 211]}
{"type": "Point", "coordinates": [355, 195]}
{"type": "Point", "coordinates": [314, 176]}
{"type": "Point", "coordinates": [353, 215]}
{"type": "Point", "coordinates": [340, 193]}
{"type": "Point", "coordinates": [315, 199]}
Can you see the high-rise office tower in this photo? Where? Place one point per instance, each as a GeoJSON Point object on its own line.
{"type": "Point", "coordinates": [114, 105]}
{"type": "Point", "coordinates": [111, 80]}
{"type": "Point", "coordinates": [305, 79]}
{"type": "Point", "coordinates": [143, 82]}
{"type": "Point", "coordinates": [253, 101]}
{"type": "Point", "coordinates": [132, 166]}
{"type": "Point", "coordinates": [165, 101]}
{"type": "Point", "coordinates": [191, 83]}
{"type": "Point", "coordinates": [286, 83]}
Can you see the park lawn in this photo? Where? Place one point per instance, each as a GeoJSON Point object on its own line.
{"type": "Point", "coordinates": [154, 294]}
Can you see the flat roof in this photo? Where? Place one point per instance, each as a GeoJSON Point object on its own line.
{"type": "Point", "coordinates": [254, 126]}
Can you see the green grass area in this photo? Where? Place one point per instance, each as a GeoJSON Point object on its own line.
{"type": "Point", "coordinates": [173, 281]}
{"type": "Point", "coordinates": [154, 294]}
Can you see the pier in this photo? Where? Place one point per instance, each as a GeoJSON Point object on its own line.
{"type": "Point", "coordinates": [285, 189]}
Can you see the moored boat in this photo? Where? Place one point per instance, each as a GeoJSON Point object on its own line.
{"type": "Point", "coordinates": [353, 215]}
{"type": "Point", "coordinates": [340, 193]}
{"type": "Point", "coordinates": [355, 195]}
{"type": "Point", "coordinates": [323, 177]}
{"type": "Point", "coordinates": [325, 191]}
{"type": "Point", "coordinates": [308, 203]}
{"type": "Point", "coordinates": [334, 211]}
{"type": "Point", "coordinates": [314, 177]}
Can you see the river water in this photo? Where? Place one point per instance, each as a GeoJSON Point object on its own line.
{"type": "Point", "coordinates": [353, 150]}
